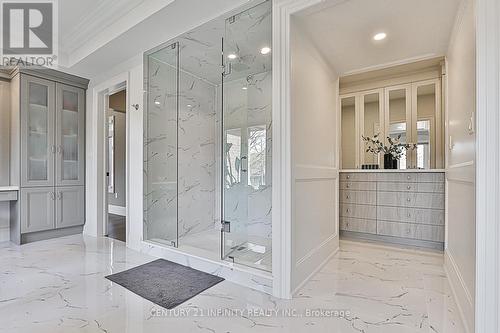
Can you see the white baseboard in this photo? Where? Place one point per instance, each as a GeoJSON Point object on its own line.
{"type": "Point", "coordinates": [4, 234]}
{"type": "Point", "coordinates": [460, 292]}
{"type": "Point", "coordinates": [321, 265]}
{"type": "Point", "coordinates": [117, 210]}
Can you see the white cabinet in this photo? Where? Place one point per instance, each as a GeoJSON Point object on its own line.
{"type": "Point", "coordinates": [409, 111]}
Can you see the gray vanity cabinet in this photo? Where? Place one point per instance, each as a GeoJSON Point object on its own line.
{"type": "Point", "coordinates": [397, 207]}
{"type": "Point", "coordinates": [47, 153]}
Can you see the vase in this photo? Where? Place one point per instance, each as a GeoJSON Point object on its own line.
{"type": "Point", "coordinates": [390, 162]}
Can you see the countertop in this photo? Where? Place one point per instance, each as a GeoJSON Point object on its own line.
{"type": "Point", "coordinates": [8, 188]}
{"type": "Point", "coordinates": [395, 170]}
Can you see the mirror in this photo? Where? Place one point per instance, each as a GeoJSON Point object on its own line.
{"type": "Point", "coordinates": [348, 126]}
{"type": "Point", "coordinates": [425, 134]}
{"type": "Point", "coordinates": [371, 124]}
{"type": "Point", "coordinates": [398, 120]}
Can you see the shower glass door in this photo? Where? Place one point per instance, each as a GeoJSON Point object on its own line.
{"type": "Point", "coordinates": [161, 131]}
{"type": "Point", "coordinates": [246, 134]}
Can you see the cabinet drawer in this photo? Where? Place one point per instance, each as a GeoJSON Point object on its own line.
{"type": "Point", "coordinates": [358, 176]}
{"type": "Point", "coordinates": [358, 225]}
{"type": "Point", "coordinates": [417, 200]}
{"type": "Point", "coordinates": [410, 187]}
{"type": "Point", "coordinates": [410, 230]}
{"type": "Point", "coordinates": [397, 177]}
{"type": "Point", "coordinates": [358, 186]}
{"type": "Point", "coordinates": [429, 177]}
{"type": "Point", "coordinates": [358, 211]}
{"type": "Point", "coordinates": [410, 215]}
{"type": "Point", "coordinates": [358, 197]}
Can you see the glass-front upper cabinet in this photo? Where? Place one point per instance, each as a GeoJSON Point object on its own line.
{"type": "Point", "coordinates": [37, 126]}
{"type": "Point", "coordinates": [371, 120]}
{"type": "Point", "coordinates": [70, 119]}
{"type": "Point", "coordinates": [349, 130]}
{"type": "Point", "coordinates": [398, 118]}
{"type": "Point", "coordinates": [426, 125]}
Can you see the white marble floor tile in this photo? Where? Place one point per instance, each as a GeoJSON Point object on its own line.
{"type": "Point", "coordinates": [59, 286]}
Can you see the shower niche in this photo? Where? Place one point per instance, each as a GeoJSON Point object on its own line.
{"type": "Point", "coordinates": [208, 140]}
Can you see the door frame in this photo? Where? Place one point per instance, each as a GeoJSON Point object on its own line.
{"type": "Point", "coordinates": [96, 190]}
{"type": "Point", "coordinates": [487, 118]}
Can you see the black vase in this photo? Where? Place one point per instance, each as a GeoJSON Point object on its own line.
{"type": "Point", "coordinates": [390, 162]}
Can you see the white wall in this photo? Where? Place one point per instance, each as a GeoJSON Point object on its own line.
{"type": "Point", "coordinates": [460, 247]}
{"type": "Point", "coordinates": [314, 88]}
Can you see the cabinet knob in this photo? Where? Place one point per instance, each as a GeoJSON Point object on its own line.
{"type": "Point", "coordinates": [408, 187]}
{"type": "Point", "coordinates": [52, 195]}
{"type": "Point", "coordinates": [348, 197]}
{"type": "Point", "coordinates": [348, 177]}
{"type": "Point", "coordinates": [409, 215]}
{"type": "Point", "coordinates": [408, 177]}
{"type": "Point", "coordinates": [348, 186]}
{"type": "Point", "coordinates": [408, 199]}
{"type": "Point", "coordinates": [348, 210]}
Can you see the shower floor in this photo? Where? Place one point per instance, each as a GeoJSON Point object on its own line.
{"type": "Point", "coordinates": [251, 251]}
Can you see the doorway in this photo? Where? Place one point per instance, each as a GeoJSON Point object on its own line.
{"type": "Point", "coordinates": [116, 170]}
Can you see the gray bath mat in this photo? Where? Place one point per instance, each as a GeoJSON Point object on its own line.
{"type": "Point", "coordinates": [164, 282]}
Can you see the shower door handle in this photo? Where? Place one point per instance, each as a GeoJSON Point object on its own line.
{"type": "Point", "coordinates": [229, 67]}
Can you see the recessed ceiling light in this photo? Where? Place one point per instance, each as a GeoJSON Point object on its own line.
{"type": "Point", "coordinates": [232, 56]}
{"type": "Point", "coordinates": [157, 102]}
{"type": "Point", "coordinates": [189, 106]}
{"type": "Point", "coordinates": [265, 50]}
{"type": "Point", "coordinates": [380, 36]}
{"type": "Point", "coordinates": [244, 88]}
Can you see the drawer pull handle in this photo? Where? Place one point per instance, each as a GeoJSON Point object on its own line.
{"type": "Point", "coordinates": [348, 210]}
{"type": "Point", "coordinates": [408, 177]}
{"type": "Point", "coordinates": [348, 177]}
{"type": "Point", "coordinates": [409, 215]}
{"type": "Point", "coordinates": [348, 186]}
{"type": "Point", "coordinates": [348, 197]}
{"type": "Point", "coordinates": [408, 187]}
{"type": "Point", "coordinates": [408, 199]}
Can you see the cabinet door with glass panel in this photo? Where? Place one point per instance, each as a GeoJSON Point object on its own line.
{"type": "Point", "coordinates": [398, 117]}
{"type": "Point", "coordinates": [70, 119]}
{"type": "Point", "coordinates": [37, 131]}
{"type": "Point", "coordinates": [426, 125]}
{"type": "Point", "coordinates": [371, 123]}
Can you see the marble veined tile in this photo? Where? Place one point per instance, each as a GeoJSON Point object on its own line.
{"type": "Point", "coordinates": [59, 286]}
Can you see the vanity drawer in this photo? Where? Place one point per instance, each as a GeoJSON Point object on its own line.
{"type": "Point", "coordinates": [358, 197]}
{"type": "Point", "coordinates": [410, 187]}
{"type": "Point", "coordinates": [397, 177]}
{"type": "Point", "coordinates": [410, 230]}
{"type": "Point", "coordinates": [410, 215]}
{"type": "Point", "coordinates": [358, 211]}
{"type": "Point", "coordinates": [358, 186]}
{"type": "Point", "coordinates": [358, 225]}
{"type": "Point", "coordinates": [431, 177]}
{"type": "Point", "coordinates": [358, 176]}
{"type": "Point", "coordinates": [417, 200]}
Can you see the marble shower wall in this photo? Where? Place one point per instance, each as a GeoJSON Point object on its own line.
{"type": "Point", "coordinates": [185, 146]}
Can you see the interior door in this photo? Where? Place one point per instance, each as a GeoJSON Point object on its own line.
{"type": "Point", "coordinates": [37, 131]}
{"type": "Point", "coordinates": [70, 136]}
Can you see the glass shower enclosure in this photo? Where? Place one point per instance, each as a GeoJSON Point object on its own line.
{"type": "Point", "coordinates": [208, 139]}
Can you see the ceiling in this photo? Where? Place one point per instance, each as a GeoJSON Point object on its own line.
{"type": "Point", "coordinates": [343, 31]}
